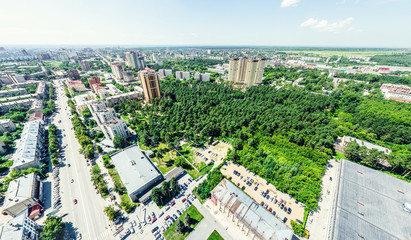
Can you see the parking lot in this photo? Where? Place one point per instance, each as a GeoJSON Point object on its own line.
{"type": "Point", "coordinates": [149, 222]}
{"type": "Point", "coordinates": [280, 204]}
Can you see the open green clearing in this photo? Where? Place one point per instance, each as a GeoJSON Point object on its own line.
{"type": "Point", "coordinates": [172, 234]}
{"type": "Point", "coordinates": [215, 236]}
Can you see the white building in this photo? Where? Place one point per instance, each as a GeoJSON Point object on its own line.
{"type": "Point", "coordinates": [6, 125]}
{"type": "Point", "coordinates": [84, 99]}
{"type": "Point", "coordinates": [125, 96]}
{"type": "Point", "coordinates": [113, 127]}
{"type": "Point", "coordinates": [136, 171]}
{"type": "Point", "coordinates": [97, 105]}
{"type": "Point", "coordinates": [162, 73]}
{"type": "Point", "coordinates": [103, 115]}
{"type": "Point", "coordinates": [182, 75]}
{"type": "Point", "coordinates": [28, 153]}
{"type": "Point", "coordinates": [23, 193]}
{"type": "Point", "coordinates": [20, 228]}
{"type": "Point", "coordinates": [202, 76]}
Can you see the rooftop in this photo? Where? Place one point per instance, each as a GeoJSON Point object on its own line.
{"type": "Point", "coordinates": [113, 121]}
{"type": "Point", "coordinates": [27, 148]}
{"type": "Point", "coordinates": [14, 229]}
{"type": "Point", "coordinates": [134, 168]}
{"type": "Point", "coordinates": [256, 218]}
{"type": "Point", "coordinates": [370, 204]}
{"type": "Point", "coordinates": [19, 189]}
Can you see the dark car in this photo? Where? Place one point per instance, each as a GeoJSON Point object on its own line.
{"type": "Point", "coordinates": [285, 209]}
{"type": "Point", "coordinates": [282, 206]}
{"type": "Point", "coordinates": [154, 230]}
{"type": "Point", "coordinates": [188, 201]}
{"type": "Point", "coordinates": [262, 203]}
{"type": "Point", "coordinates": [178, 211]}
{"type": "Point", "coordinates": [175, 216]}
{"type": "Point", "coordinates": [274, 213]}
{"type": "Point", "coordinates": [289, 211]}
{"type": "Point", "coordinates": [255, 189]}
{"type": "Point", "coordinates": [243, 187]}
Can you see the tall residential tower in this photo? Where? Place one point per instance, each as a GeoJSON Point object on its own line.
{"type": "Point", "coordinates": [246, 72]}
{"type": "Point", "coordinates": [149, 81]}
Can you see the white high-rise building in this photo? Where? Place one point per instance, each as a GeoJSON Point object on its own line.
{"type": "Point", "coordinates": [202, 76]}
{"type": "Point", "coordinates": [117, 70]}
{"type": "Point", "coordinates": [182, 75]}
{"type": "Point", "coordinates": [162, 73]}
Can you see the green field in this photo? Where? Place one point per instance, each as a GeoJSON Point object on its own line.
{"type": "Point", "coordinates": [165, 162]}
{"type": "Point", "coordinates": [172, 234]}
{"type": "Point", "coordinates": [215, 236]}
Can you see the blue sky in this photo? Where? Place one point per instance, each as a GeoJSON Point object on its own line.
{"type": "Point", "coordinates": [346, 23]}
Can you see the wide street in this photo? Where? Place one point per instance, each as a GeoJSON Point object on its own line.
{"type": "Point", "coordinates": [87, 215]}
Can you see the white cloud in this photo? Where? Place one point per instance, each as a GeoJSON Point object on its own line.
{"type": "Point", "coordinates": [289, 3]}
{"type": "Point", "coordinates": [325, 26]}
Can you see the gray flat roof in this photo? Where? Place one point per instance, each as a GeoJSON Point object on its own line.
{"type": "Point", "coordinates": [13, 229]}
{"type": "Point", "coordinates": [19, 189]}
{"type": "Point", "coordinates": [134, 168]}
{"type": "Point", "coordinates": [370, 205]}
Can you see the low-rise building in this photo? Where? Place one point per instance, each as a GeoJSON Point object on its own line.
{"type": "Point", "coordinates": [20, 228]}
{"type": "Point", "coordinates": [125, 96]}
{"type": "Point", "coordinates": [103, 115]}
{"type": "Point", "coordinates": [73, 74]}
{"type": "Point", "coordinates": [2, 147]}
{"type": "Point", "coordinates": [97, 105]}
{"type": "Point", "coordinates": [23, 193]}
{"type": "Point", "coordinates": [400, 93]}
{"type": "Point", "coordinates": [136, 170]}
{"type": "Point", "coordinates": [13, 92]}
{"type": "Point", "coordinates": [83, 100]}
{"type": "Point", "coordinates": [29, 149]}
{"type": "Point", "coordinates": [102, 93]}
{"type": "Point", "coordinates": [249, 216]}
{"type": "Point", "coordinates": [78, 86]}
{"type": "Point", "coordinates": [343, 141]}
{"type": "Point", "coordinates": [182, 75]}
{"type": "Point", "coordinates": [113, 89]}
{"type": "Point", "coordinates": [6, 125]}
{"type": "Point", "coordinates": [113, 127]}
{"type": "Point", "coordinates": [37, 116]}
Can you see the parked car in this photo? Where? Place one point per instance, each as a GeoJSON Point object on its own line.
{"type": "Point", "coordinates": [154, 219]}
{"type": "Point", "coordinates": [154, 230]}
{"type": "Point", "coordinates": [184, 199]}
{"type": "Point", "coordinates": [178, 211]}
{"type": "Point", "coordinates": [175, 216]}
{"type": "Point", "coordinates": [172, 203]}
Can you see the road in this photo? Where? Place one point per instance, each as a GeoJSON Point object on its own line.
{"type": "Point", "coordinates": [87, 215]}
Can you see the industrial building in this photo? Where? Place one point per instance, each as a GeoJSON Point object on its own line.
{"type": "Point", "coordinates": [370, 205]}
{"type": "Point", "coordinates": [23, 194]}
{"type": "Point", "coordinates": [136, 170]}
{"type": "Point", "coordinates": [29, 150]}
{"type": "Point", "coordinates": [249, 216]}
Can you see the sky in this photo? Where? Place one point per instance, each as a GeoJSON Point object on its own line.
{"type": "Point", "coordinates": [327, 23]}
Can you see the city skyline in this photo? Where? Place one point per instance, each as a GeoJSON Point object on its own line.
{"type": "Point", "coordinates": [337, 23]}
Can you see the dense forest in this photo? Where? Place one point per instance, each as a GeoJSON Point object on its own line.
{"type": "Point", "coordinates": [197, 64]}
{"type": "Point", "coordinates": [284, 135]}
{"type": "Point", "coordinates": [403, 60]}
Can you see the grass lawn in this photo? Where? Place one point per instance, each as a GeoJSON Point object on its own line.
{"type": "Point", "coordinates": [215, 236]}
{"type": "Point", "coordinates": [188, 153]}
{"type": "Point", "coordinates": [165, 162]}
{"type": "Point", "coordinates": [172, 234]}
{"type": "Point", "coordinates": [339, 155]}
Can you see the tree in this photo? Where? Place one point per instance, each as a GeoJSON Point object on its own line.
{"type": "Point", "coordinates": [99, 149]}
{"type": "Point", "coordinates": [53, 228]}
{"type": "Point", "coordinates": [111, 213]}
{"type": "Point", "coordinates": [165, 189]}
{"type": "Point", "coordinates": [174, 186]}
{"type": "Point", "coordinates": [157, 196]}
{"type": "Point", "coordinates": [180, 227]}
{"type": "Point", "coordinates": [119, 141]}
{"type": "Point", "coordinates": [181, 162]}
{"type": "Point", "coordinates": [188, 219]}
{"type": "Point", "coordinates": [89, 151]}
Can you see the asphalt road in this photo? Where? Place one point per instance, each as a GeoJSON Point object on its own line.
{"type": "Point", "coordinates": [87, 215]}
